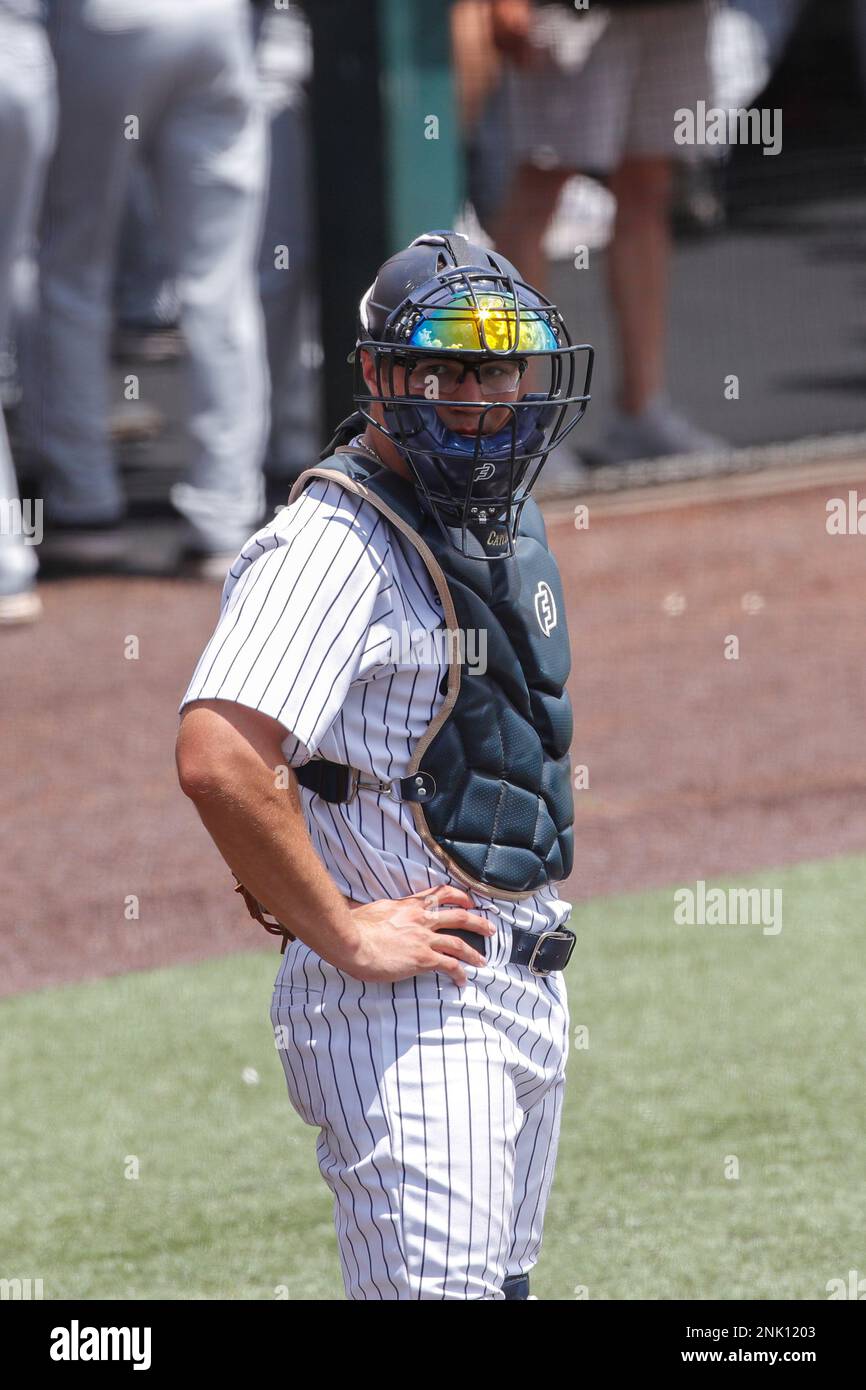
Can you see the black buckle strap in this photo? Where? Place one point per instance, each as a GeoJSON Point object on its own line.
{"type": "Point", "coordinates": [541, 952]}
{"type": "Point", "coordinates": [329, 780]}
{"type": "Point", "coordinates": [337, 783]}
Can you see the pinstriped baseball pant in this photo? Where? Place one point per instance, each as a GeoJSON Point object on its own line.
{"type": "Point", "coordinates": [438, 1111]}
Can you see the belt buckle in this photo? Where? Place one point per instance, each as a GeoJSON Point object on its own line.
{"type": "Point", "coordinates": [544, 936]}
{"type": "Point", "coordinates": [375, 785]}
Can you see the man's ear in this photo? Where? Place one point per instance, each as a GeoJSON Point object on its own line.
{"type": "Point", "coordinates": [368, 369]}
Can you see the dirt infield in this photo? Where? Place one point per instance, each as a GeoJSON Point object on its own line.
{"type": "Point", "coordinates": [698, 765]}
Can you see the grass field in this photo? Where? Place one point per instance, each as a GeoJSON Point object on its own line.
{"type": "Point", "coordinates": [704, 1042]}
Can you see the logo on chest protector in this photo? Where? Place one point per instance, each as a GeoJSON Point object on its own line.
{"type": "Point", "coordinates": [545, 608]}
{"type": "Point", "coordinates": [496, 536]}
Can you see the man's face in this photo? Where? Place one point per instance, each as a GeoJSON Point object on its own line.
{"type": "Point", "coordinates": [458, 391]}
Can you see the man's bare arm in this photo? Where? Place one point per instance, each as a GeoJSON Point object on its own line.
{"type": "Point", "coordinates": [231, 765]}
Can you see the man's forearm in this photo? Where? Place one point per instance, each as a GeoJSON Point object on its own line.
{"type": "Point", "coordinates": [259, 829]}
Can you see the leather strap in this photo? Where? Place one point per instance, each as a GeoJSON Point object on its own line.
{"type": "Point", "coordinates": [270, 924]}
{"type": "Point", "coordinates": [541, 952]}
{"type": "Point", "coordinates": [337, 783]}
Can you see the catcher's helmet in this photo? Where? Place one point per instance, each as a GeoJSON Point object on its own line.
{"type": "Point", "coordinates": [445, 298]}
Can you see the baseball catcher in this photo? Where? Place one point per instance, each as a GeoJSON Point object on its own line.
{"type": "Point", "coordinates": [377, 739]}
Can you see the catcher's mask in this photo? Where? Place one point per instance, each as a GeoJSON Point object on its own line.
{"type": "Point", "coordinates": [442, 308]}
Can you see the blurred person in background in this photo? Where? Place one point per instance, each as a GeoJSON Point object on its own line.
{"type": "Point", "coordinates": [146, 304]}
{"type": "Point", "coordinates": [147, 311]}
{"type": "Point", "coordinates": [746, 41]}
{"type": "Point", "coordinates": [27, 119]}
{"type": "Point", "coordinates": [284, 60]}
{"type": "Point", "coordinates": [774, 21]}
{"type": "Point", "coordinates": [595, 91]}
{"type": "Point", "coordinates": [175, 86]}
{"type": "Point", "coordinates": [146, 308]}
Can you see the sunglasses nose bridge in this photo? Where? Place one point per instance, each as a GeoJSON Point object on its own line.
{"type": "Point", "coordinates": [475, 369]}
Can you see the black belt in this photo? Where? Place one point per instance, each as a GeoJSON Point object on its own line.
{"type": "Point", "coordinates": [540, 952]}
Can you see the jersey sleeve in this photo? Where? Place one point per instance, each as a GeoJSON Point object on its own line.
{"type": "Point", "coordinates": [297, 609]}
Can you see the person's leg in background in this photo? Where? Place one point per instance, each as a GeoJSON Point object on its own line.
{"type": "Point", "coordinates": [145, 299]}
{"type": "Point", "coordinates": [210, 168]}
{"type": "Point", "coordinates": [669, 71]}
{"type": "Point", "coordinates": [66, 393]}
{"type": "Point", "coordinates": [521, 222]}
{"type": "Point", "coordinates": [612, 112]}
{"type": "Point", "coordinates": [27, 123]}
{"type": "Point", "coordinates": [563, 108]}
{"type": "Point", "coordinates": [290, 310]}
{"type": "Point", "coordinates": [637, 266]}
{"type": "Point", "coordinates": [286, 262]}
{"type": "Point", "coordinates": [144, 305]}
{"type": "Point", "coordinates": [561, 111]}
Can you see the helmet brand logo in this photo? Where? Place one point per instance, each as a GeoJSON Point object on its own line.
{"type": "Point", "coordinates": [545, 608]}
{"type": "Point", "coordinates": [484, 471]}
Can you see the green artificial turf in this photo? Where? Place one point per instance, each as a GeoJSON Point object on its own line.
{"type": "Point", "coordinates": [706, 1044]}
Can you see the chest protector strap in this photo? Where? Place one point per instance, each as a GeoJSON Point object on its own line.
{"type": "Point", "coordinates": [489, 782]}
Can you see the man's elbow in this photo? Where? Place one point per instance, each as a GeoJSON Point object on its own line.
{"type": "Point", "coordinates": [197, 776]}
{"type": "Point", "coordinates": [223, 747]}
{"type": "Point", "coordinates": [201, 769]}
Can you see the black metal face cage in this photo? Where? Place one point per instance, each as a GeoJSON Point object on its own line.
{"type": "Point", "coordinates": [394, 349]}
{"type": "Point", "coordinates": [444, 503]}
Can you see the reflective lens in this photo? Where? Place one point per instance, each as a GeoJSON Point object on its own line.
{"type": "Point", "coordinates": [487, 323]}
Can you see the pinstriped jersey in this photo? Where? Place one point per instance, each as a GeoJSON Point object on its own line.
{"type": "Point", "coordinates": [328, 624]}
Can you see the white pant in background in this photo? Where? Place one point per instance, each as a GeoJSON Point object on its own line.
{"type": "Point", "coordinates": [27, 118]}
{"type": "Point", "coordinates": [184, 81]}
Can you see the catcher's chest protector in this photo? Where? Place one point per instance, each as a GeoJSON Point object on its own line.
{"type": "Point", "coordinates": [501, 815]}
